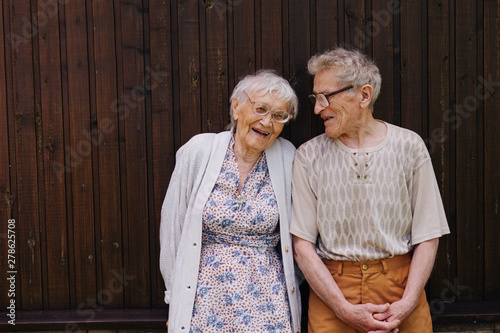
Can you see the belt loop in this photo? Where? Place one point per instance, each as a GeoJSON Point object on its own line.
{"type": "Point", "coordinates": [339, 269]}
{"type": "Point", "coordinates": [384, 266]}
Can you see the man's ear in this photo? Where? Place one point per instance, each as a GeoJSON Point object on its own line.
{"type": "Point", "coordinates": [366, 95]}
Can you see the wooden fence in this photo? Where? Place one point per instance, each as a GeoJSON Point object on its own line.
{"type": "Point", "coordinates": [96, 96]}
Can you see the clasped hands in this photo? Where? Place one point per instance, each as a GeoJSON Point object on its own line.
{"type": "Point", "coordinates": [371, 318]}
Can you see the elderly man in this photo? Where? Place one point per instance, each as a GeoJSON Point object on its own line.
{"type": "Point", "coordinates": [367, 212]}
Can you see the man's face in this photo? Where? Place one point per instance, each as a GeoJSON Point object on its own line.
{"type": "Point", "coordinates": [341, 115]}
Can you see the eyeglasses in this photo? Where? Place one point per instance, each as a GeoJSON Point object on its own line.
{"type": "Point", "coordinates": [322, 99]}
{"type": "Point", "coordinates": [279, 116]}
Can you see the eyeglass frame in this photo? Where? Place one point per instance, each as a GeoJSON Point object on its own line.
{"type": "Point", "coordinates": [269, 111]}
{"type": "Point", "coordinates": [327, 96]}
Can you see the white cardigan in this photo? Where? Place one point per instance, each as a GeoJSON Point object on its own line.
{"type": "Point", "coordinates": [197, 167]}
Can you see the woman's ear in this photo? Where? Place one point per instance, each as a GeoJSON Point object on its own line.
{"type": "Point", "coordinates": [366, 95]}
{"type": "Point", "coordinates": [235, 105]}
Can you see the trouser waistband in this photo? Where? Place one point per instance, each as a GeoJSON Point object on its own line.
{"type": "Point", "coordinates": [374, 266]}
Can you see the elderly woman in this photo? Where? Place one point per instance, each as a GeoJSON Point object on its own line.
{"type": "Point", "coordinates": [226, 255]}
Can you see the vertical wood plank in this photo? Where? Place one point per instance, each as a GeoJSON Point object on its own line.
{"type": "Point", "coordinates": [79, 153]}
{"type": "Point", "coordinates": [285, 47]}
{"type": "Point", "coordinates": [244, 39]}
{"type": "Point", "coordinates": [202, 35]}
{"type": "Point", "coordinates": [380, 36]}
{"type": "Point", "coordinates": [301, 128]}
{"type": "Point", "coordinates": [440, 141]}
{"type": "Point", "coordinates": [469, 217]}
{"type": "Point", "coordinates": [24, 156]}
{"type": "Point", "coordinates": [105, 139]}
{"type": "Point", "coordinates": [56, 233]}
{"type": "Point", "coordinates": [5, 190]}
{"type": "Point", "coordinates": [341, 22]}
{"type": "Point", "coordinates": [489, 92]}
{"type": "Point", "coordinates": [413, 105]}
{"type": "Point", "coordinates": [354, 27]}
{"type": "Point", "coordinates": [230, 48]}
{"type": "Point", "coordinates": [63, 171]}
{"type": "Point", "coordinates": [124, 105]}
{"type": "Point", "coordinates": [215, 115]}
{"type": "Point", "coordinates": [39, 18]}
{"type": "Point", "coordinates": [326, 25]}
{"type": "Point", "coordinates": [258, 33]}
{"type": "Point", "coordinates": [136, 234]}
{"type": "Point", "coordinates": [152, 225]}
{"type": "Point", "coordinates": [162, 125]}
{"type": "Point", "coordinates": [189, 71]}
{"type": "Point", "coordinates": [271, 44]}
{"type": "Point", "coordinates": [94, 157]}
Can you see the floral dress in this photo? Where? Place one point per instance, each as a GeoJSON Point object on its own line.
{"type": "Point", "coordinates": [241, 283]}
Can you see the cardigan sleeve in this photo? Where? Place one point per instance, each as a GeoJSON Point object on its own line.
{"type": "Point", "coordinates": [173, 212]}
{"type": "Point", "coordinates": [288, 151]}
{"type": "Point", "coordinates": [190, 168]}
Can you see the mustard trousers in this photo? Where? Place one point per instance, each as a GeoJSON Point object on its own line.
{"type": "Point", "coordinates": [378, 282]}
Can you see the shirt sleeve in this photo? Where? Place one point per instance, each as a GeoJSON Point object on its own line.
{"type": "Point", "coordinates": [429, 218]}
{"type": "Point", "coordinates": [303, 223]}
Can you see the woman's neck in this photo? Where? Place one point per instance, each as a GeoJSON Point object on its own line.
{"type": "Point", "coordinates": [245, 160]}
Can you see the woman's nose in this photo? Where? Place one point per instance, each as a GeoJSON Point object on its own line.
{"type": "Point", "coordinates": [267, 119]}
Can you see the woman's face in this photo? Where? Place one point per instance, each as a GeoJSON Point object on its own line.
{"type": "Point", "coordinates": [255, 133]}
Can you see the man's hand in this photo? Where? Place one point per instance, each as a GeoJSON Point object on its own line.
{"type": "Point", "coordinates": [399, 310]}
{"type": "Point", "coordinates": [362, 318]}
{"type": "Point", "coordinates": [420, 269]}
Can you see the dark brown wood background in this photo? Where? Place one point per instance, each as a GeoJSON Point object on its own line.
{"type": "Point", "coordinates": [97, 95]}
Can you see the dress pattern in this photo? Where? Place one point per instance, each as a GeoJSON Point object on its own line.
{"type": "Point", "coordinates": [241, 283]}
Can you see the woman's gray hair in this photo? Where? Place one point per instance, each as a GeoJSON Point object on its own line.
{"type": "Point", "coordinates": [264, 81]}
{"type": "Point", "coordinates": [351, 68]}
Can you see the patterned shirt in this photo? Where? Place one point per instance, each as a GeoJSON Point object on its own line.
{"type": "Point", "coordinates": [366, 204]}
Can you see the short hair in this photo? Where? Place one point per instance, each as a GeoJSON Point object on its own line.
{"type": "Point", "coordinates": [351, 68]}
{"type": "Point", "coordinates": [265, 81]}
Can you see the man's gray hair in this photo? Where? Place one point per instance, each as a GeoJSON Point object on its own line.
{"type": "Point", "coordinates": [351, 68]}
{"type": "Point", "coordinates": [264, 82]}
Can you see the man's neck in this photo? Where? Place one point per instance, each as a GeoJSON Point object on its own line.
{"type": "Point", "coordinates": [369, 133]}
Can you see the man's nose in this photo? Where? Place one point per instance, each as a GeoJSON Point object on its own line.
{"type": "Point", "coordinates": [318, 108]}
